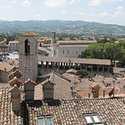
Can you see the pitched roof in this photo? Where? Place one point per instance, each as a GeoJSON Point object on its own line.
{"type": "Point", "coordinates": [62, 87]}
{"type": "Point", "coordinates": [14, 88]}
{"type": "Point", "coordinates": [28, 34]}
{"type": "Point", "coordinates": [29, 80]}
{"type": "Point", "coordinates": [7, 66]}
{"type": "Point", "coordinates": [64, 112]}
{"type": "Point", "coordinates": [16, 73]}
{"type": "Point", "coordinates": [15, 81]}
{"type": "Point", "coordinates": [71, 112]}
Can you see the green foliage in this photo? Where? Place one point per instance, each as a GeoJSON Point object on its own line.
{"type": "Point", "coordinates": [39, 71]}
{"type": "Point", "coordinates": [122, 57]}
{"type": "Point", "coordinates": [1, 39]}
{"type": "Point", "coordinates": [45, 42]}
{"type": "Point", "coordinates": [104, 40]}
{"type": "Point", "coordinates": [82, 73]}
{"type": "Point", "coordinates": [42, 53]}
{"type": "Point", "coordinates": [112, 51]}
{"type": "Point", "coordinates": [62, 72]}
{"type": "Point", "coordinates": [67, 27]}
{"type": "Point", "coordinates": [121, 44]}
{"type": "Point", "coordinates": [3, 46]}
{"type": "Point", "coordinates": [93, 51]}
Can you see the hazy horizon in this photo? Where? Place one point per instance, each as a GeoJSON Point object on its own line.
{"type": "Point", "coordinates": [60, 20]}
{"type": "Point", "coordinates": [102, 11]}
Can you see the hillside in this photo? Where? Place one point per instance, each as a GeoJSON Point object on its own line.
{"type": "Point", "coordinates": [77, 27]}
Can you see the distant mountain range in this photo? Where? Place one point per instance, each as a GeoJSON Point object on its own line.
{"type": "Point", "coordinates": [75, 27]}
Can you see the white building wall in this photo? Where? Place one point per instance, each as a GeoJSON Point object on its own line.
{"type": "Point", "coordinates": [71, 52]}
{"type": "Point", "coordinates": [14, 46]}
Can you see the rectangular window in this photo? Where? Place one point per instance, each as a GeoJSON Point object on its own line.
{"type": "Point", "coordinates": [92, 119]}
{"type": "Point", "coordinates": [54, 52]}
{"type": "Point", "coordinates": [45, 120]}
{"type": "Point", "coordinates": [67, 51]}
{"type": "Point", "coordinates": [63, 51]}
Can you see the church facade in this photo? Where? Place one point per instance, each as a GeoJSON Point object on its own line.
{"type": "Point", "coordinates": [69, 49]}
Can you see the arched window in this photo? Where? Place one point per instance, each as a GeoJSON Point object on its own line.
{"type": "Point", "coordinates": [27, 47]}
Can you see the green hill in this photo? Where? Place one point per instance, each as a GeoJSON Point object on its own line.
{"type": "Point", "coordinates": [76, 27]}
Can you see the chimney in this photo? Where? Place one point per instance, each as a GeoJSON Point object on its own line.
{"type": "Point", "coordinates": [95, 90]}
{"type": "Point", "coordinates": [103, 93]}
{"type": "Point", "coordinates": [29, 87]}
{"type": "Point", "coordinates": [13, 62]}
{"type": "Point", "coordinates": [15, 98]}
{"type": "Point", "coordinates": [5, 69]}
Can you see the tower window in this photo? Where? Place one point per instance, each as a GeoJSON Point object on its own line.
{"type": "Point", "coordinates": [27, 47]}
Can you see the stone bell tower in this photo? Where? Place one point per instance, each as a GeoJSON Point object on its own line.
{"type": "Point", "coordinates": [53, 45]}
{"type": "Point", "coordinates": [28, 60]}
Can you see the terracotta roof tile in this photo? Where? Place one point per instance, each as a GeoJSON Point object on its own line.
{"type": "Point", "coordinates": [28, 34]}
{"type": "Point", "coordinates": [7, 66]}
{"type": "Point", "coordinates": [71, 112]}
{"type": "Point", "coordinates": [74, 60]}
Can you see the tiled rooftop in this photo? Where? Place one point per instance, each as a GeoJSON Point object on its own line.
{"type": "Point", "coordinates": [7, 116]}
{"type": "Point", "coordinates": [70, 112]}
{"type": "Point", "coordinates": [28, 34]}
{"type": "Point", "coordinates": [63, 112]}
{"type": "Point", "coordinates": [62, 88]}
{"type": "Point", "coordinates": [7, 66]}
{"type": "Point", "coordinates": [74, 60]}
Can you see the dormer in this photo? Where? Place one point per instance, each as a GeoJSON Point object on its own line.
{"type": "Point", "coordinates": [16, 73]}
{"type": "Point", "coordinates": [48, 90]}
{"type": "Point", "coordinates": [29, 87]}
{"type": "Point", "coordinates": [16, 81]}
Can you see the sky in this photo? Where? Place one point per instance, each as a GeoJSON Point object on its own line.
{"type": "Point", "coordinates": [103, 11]}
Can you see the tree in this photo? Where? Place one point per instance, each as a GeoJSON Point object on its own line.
{"type": "Point", "coordinates": [112, 52]}
{"type": "Point", "coordinates": [122, 58]}
{"type": "Point", "coordinates": [82, 73]}
{"type": "Point", "coordinates": [93, 51]}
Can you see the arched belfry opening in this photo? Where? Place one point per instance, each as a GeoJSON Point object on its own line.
{"type": "Point", "coordinates": [27, 47]}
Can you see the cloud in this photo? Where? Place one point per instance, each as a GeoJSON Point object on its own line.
{"type": "Point", "coordinates": [54, 3]}
{"type": "Point", "coordinates": [64, 12]}
{"type": "Point", "coordinates": [37, 17]}
{"type": "Point", "coordinates": [73, 1]}
{"type": "Point", "coordinates": [103, 14]}
{"type": "Point", "coordinates": [59, 3]}
{"type": "Point", "coordinates": [119, 12]}
{"type": "Point", "coordinates": [82, 14]}
{"type": "Point", "coordinates": [26, 3]}
{"type": "Point", "coordinates": [6, 6]}
{"type": "Point", "coordinates": [14, 1]}
{"type": "Point", "coordinates": [99, 2]}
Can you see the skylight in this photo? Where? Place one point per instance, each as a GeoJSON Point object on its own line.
{"type": "Point", "coordinates": [45, 120]}
{"type": "Point", "coordinates": [92, 119]}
